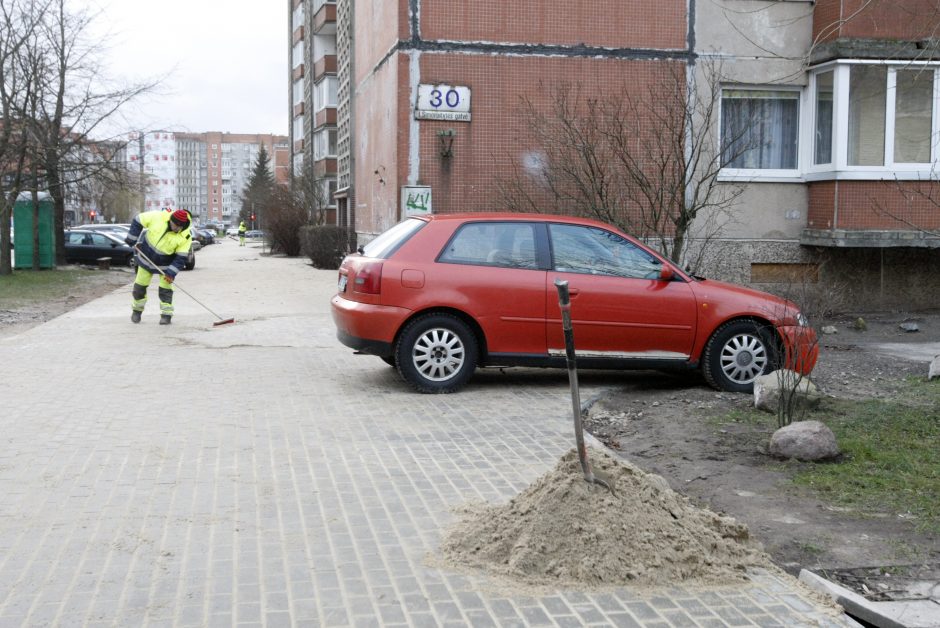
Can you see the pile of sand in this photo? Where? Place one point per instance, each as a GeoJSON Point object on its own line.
{"type": "Point", "coordinates": [562, 529]}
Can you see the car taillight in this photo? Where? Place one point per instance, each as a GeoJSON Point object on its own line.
{"type": "Point", "coordinates": [368, 278]}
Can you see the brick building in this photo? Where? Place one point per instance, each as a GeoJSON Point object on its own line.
{"type": "Point", "coordinates": [837, 189]}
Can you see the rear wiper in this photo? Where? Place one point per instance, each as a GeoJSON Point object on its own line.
{"type": "Point", "coordinates": [360, 250]}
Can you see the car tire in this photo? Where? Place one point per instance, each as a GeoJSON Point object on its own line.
{"type": "Point", "coordinates": [132, 261]}
{"type": "Point", "coordinates": [390, 360]}
{"type": "Point", "coordinates": [737, 354]}
{"type": "Point", "coordinates": [436, 353]}
{"type": "Point", "coordinates": [190, 264]}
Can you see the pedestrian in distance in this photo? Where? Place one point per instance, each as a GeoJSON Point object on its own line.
{"type": "Point", "coordinates": [162, 240]}
{"type": "Point", "coordinates": [242, 230]}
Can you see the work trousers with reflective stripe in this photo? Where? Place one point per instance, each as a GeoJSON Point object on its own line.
{"type": "Point", "coordinates": [164, 291]}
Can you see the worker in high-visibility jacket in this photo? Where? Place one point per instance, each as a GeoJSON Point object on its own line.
{"type": "Point", "coordinates": [166, 242]}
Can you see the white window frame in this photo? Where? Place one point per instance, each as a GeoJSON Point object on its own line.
{"type": "Point", "coordinates": [319, 96]}
{"type": "Point", "coordinates": [839, 168]}
{"type": "Point", "coordinates": [318, 151]}
{"type": "Point", "coordinates": [766, 174]}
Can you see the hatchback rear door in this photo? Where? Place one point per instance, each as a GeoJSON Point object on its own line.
{"type": "Point", "coordinates": [496, 276]}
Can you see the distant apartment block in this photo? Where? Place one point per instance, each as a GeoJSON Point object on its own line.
{"type": "Point", "coordinates": [204, 173]}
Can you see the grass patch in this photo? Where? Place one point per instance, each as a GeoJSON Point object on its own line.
{"type": "Point", "coordinates": [29, 287]}
{"type": "Point", "coordinates": [890, 462]}
{"type": "Point", "coordinates": [890, 448]}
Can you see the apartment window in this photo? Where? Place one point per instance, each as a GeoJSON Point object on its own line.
{"type": "Point", "coordinates": [874, 120]}
{"type": "Point", "coordinates": [324, 93]}
{"type": "Point", "coordinates": [298, 91]}
{"type": "Point", "coordinates": [297, 19]}
{"type": "Point", "coordinates": [913, 115]}
{"type": "Point", "coordinates": [324, 144]}
{"type": "Point", "coordinates": [298, 130]}
{"type": "Point", "coordinates": [823, 118]}
{"type": "Point", "coordinates": [297, 55]}
{"type": "Point", "coordinates": [867, 97]}
{"type": "Point", "coordinates": [760, 129]}
{"type": "Point", "coordinates": [327, 189]}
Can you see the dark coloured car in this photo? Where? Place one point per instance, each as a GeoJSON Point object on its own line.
{"type": "Point", "coordinates": [204, 237]}
{"type": "Point", "coordinates": [440, 295]}
{"type": "Point", "coordinates": [87, 247]}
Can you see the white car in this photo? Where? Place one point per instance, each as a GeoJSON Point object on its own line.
{"type": "Point", "coordinates": [231, 231]}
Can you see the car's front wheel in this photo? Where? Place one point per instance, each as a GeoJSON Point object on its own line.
{"type": "Point", "coordinates": [737, 354]}
{"type": "Point", "coordinates": [437, 353]}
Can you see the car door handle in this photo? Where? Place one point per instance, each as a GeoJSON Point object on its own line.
{"type": "Point", "coordinates": [573, 292]}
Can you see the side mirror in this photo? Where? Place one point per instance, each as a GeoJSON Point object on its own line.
{"type": "Point", "coordinates": [666, 274]}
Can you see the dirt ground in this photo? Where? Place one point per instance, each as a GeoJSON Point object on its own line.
{"type": "Point", "coordinates": [17, 320]}
{"type": "Point", "coordinates": [661, 424]}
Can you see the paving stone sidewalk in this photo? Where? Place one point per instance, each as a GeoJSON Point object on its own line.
{"type": "Point", "coordinates": [260, 474]}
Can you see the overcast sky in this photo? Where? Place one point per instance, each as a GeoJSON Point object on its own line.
{"type": "Point", "coordinates": [225, 62]}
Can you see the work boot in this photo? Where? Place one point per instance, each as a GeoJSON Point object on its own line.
{"type": "Point", "coordinates": [165, 319]}
{"type": "Point", "coordinates": [135, 316]}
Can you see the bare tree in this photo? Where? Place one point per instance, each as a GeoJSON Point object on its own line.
{"type": "Point", "coordinates": [646, 161]}
{"type": "Point", "coordinates": [75, 101]}
{"type": "Point", "coordinates": [19, 21]}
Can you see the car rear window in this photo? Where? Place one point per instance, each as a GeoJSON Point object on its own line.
{"type": "Point", "coordinates": [388, 241]}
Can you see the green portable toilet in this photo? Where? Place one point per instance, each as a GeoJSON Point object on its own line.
{"type": "Point", "coordinates": [23, 231]}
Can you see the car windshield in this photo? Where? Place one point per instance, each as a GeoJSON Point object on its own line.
{"type": "Point", "coordinates": [389, 241]}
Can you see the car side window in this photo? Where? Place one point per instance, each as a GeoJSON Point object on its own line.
{"type": "Point", "coordinates": [594, 251]}
{"type": "Point", "coordinates": [99, 240]}
{"type": "Point", "coordinates": [503, 244]}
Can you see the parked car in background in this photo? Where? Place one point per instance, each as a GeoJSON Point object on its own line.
{"type": "Point", "coordinates": [117, 227]}
{"type": "Point", "coordinates": [204, 236]}
{"type": "Point", "coordinates": [255, 233]}
{"type": "Point", "coordinates": [120, 230]}
{"type": "Point", "coordinates": [440, 295]}
{"type": "Point", "coordinates": [88, 246]}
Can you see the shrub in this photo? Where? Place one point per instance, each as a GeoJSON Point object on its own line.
{"type": "Point", "coordinates": [326, 245]}
{"type": "Point", "coordinates": [284, 219]}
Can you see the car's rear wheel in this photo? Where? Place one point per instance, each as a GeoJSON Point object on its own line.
{"type": "Point", "coordinates": [737, 354]}
{"type": "Point", "coordinates": [437, 353]}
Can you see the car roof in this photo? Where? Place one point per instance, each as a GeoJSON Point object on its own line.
{"type": "Point", "coordinates": [515, 216]}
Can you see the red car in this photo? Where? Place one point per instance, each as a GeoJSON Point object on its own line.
{"type": "Point", "coordinates": [437, 296]}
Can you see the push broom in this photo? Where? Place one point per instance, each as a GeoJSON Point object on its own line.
{"type": "Point", "coordinates": [221, 321]}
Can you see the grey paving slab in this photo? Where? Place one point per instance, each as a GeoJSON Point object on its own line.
{"type": "Point", "coordinates": [260, 474]}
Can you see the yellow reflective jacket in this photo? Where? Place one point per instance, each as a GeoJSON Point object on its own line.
{"type": "Point", "coordinates": [167, 249]}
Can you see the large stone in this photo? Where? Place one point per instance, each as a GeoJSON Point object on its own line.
{"type": "Point", "coordinates": [934, 370]}
{"type": "Point", "coordinates": [810, 441]}
{"type": "Point", "coordinates": [767, 389]}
